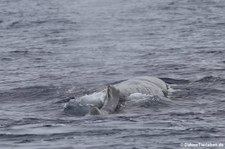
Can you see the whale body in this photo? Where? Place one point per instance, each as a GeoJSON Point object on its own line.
{"type": "Point", "coordinates": [115, 96]}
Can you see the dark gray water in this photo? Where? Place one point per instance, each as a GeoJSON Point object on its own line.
{"type": "Point", "coordinates": [52, 51]}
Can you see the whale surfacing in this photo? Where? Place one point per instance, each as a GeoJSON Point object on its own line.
{"type": "Point", "coordinates": [114, 97]}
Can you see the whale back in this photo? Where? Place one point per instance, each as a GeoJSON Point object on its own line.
{"type": "Point", "coordinates": [144, 85]}
{"type": "Point", "coordinates": [160, 83]}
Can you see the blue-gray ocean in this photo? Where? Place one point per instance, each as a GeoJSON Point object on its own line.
{"type": "Point", "coordinates": [54, 50]}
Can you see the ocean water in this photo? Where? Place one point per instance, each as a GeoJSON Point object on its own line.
{"type": "Point", "coordinates": [53, 51]}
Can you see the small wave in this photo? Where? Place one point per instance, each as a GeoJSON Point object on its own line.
{"type": "Point", "coordinates": [14, 24]}
{"type": "Point", "coordinates": [20, 24]}
{"type": "Point", "coordinates": [209, 52]}
{"type": "Point", "coordinates": [34, 52]}
{"type": "Point", "coordinates": [185, 114]}
{"type": "Point", "coordinates": [34, 23]}
{"type": "Point", "coordinates": [30, 93]}
{"type": "Point", "coordinates": [204, 129]}
{"type": "Point", "coordinates": [175, 81]}
{"type": "Point", "coordinates": [11, 136]}
{"type": "Point", "coordinates": [219, 112]}
{"type": "Point", "coordinates": [45, 52]}
{"type": "Point", "coordinates": [6, 59]}
{"type": "Point", "coordinates": [210, 79]}
{"type": "Point", "coordinates": [20, 52]}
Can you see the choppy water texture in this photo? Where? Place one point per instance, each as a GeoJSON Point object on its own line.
{"type": "Point", "coordinates": [54, 50]}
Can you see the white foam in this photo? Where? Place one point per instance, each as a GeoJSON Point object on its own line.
{"type": "Point", "coordinates": [94, 96]}
{"type": "Point", "coordinates": [139, 97]}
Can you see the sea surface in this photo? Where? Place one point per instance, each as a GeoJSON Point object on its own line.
{"type": "Point", "coordinates": [54, 50]}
